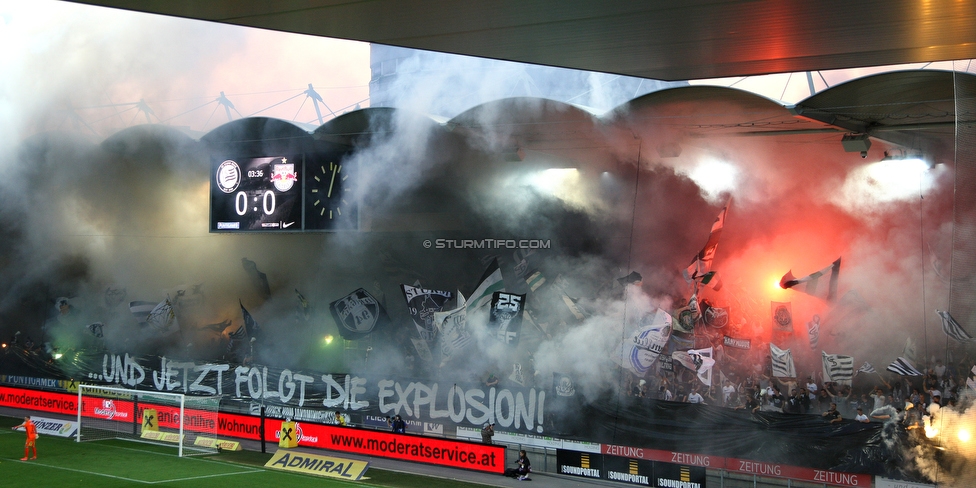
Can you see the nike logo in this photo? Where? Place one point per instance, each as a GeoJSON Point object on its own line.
{"type": "Point", "coordinates": [286, 225]}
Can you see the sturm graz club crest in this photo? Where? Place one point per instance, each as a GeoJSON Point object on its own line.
{"type": "Point", "coordinates": [357, 314]}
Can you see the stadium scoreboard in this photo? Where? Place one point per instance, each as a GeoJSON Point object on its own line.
{"type": "Point", "coordinates": [293, 192]}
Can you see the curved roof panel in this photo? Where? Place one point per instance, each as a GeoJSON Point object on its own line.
{"type": "Point", "coordinates": [915, 109]}
{"type": "Point", "coordinates": [351, 126]}
{"type": "Point", "coordinates": [257, 135]}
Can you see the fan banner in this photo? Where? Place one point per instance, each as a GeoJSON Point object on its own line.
{"type": "Point", "coordinates": [422, 304]}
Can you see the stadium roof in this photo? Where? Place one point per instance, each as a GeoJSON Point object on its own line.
{"type": "Point", "coordinates": [678, 40]}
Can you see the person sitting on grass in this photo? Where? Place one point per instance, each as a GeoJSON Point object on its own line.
{"type": "Point", "coordinates": [520, 473]}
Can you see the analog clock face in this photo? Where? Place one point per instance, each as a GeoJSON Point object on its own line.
{"type": "Point", "coordinates": [328, 200]}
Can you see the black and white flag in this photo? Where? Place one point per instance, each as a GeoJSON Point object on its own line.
{"type": "Point", "coordinates": [782, 362]}
{"type": "Point", "coordinates": [357, 314]}
{"type": "Point", "coordinates": [640, 350]}
{"type": "Point", "coordinates": [701, 264]}
{"type": "Point", "coordinates": [140, 310]}
{"type": "Point", "coordinates": [422, 304]}
{"type": "Point", "coordinates": [236, 339]}
{"type": "Point", "coordinates": [251, 327]}
{"type": "Point", "coordinates": [838, 369]}
{"type": "Point", "coordinates": [505, 319]}
{"type": "Point", "coordinates": [909, 351]}
{"type": "Point", "coordinates": [865, 368]}
{"type": "Point", "coordinates": [697, 360]}
{"type": "Point", "coordinates": [810, 284]}
{"type": "Point", "coordinates": [452, 327]}
{"type": "Point", "coordinates": [952, 328]}
{"type": "Point", "coordinates": [903, 367]}
{"type": "Point", "coordinates": [163, 318]}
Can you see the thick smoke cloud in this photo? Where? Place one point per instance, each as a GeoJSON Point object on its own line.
{"type": "Point", "coordinates": [89, 214]}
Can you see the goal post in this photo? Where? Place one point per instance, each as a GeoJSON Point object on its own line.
{"type": "Point", "coordinates": [173, 419]}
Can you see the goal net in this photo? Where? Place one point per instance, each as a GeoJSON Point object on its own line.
{"type": "Point", "coordinates": [186, 422]}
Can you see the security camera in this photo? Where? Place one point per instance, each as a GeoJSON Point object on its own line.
{"type": "Point", "coordinates": [864, 154]}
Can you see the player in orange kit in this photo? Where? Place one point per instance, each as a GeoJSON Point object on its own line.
{"type": "Point", "coordinates": [31, 437]}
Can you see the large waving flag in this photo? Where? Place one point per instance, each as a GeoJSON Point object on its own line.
{"type": "Point", "coordinates": [237, 339]}
{"type": "Point", "coordinates": [251, 327]}
{"type": "Point", "coordinates": [838, 369]}
{"type": "Point", "coordinates": [952, 328]}
{"type": "Point", "coordinates": [909, 351]}
{"type": "Point", "coordinates": [810, 284]}
{"type": "Point", "coordinates": [505, 317]}
{"type": "Point", "coordinates": [258, 279]}
{"type": "Point", "coordinates": [358, 314]}
{"type": "Point", "coordinates": [697, 360]}
{"type": "Point", "coordinates": [687, 316]}
{"type": "Point", "coordinates": [452, 328]}
{"type": "Point", "coordinates": [903, 367]}
{"type": "Point", "coordinates": [140, 310]}
{"type": "Point", "coordinates": [641, 349]}
{"type": "Point", "coordinates": [701, 264]}
{"type": "Point", "coordinates": [162, 317]}
{"type": "Point", "coordinates": [865, 368]}
{"type": "Point", "coordinates": [422, 303]}
{"type": "Point", "coordinates": [491, 281]}
{"type": "Point", "coordinates": [782, 362]}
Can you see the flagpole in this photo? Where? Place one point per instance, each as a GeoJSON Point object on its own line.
{"type": "Point", "coordinates": [630, 257]}
{"type": "Point", "coordinates": [921, 248]}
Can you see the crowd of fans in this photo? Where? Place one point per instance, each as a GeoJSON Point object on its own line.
{"type": "Point", "coordinates": [864, 400]}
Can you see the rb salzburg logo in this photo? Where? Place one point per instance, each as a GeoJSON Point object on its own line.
{"type": "Point", "coordinates": [283, 175]}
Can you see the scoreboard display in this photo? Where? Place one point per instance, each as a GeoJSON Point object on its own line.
{"type": "Point", "coordinates": [281, 193]}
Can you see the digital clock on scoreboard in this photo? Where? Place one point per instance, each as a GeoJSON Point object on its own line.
{"type": "Point", "coordinates": [256, 193]}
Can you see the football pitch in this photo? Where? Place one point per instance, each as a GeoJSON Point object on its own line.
{"type": "Point", "coordinates": [63, 463]}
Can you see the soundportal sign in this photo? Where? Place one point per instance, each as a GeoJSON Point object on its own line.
{"type": "Point", "coordinates": [629, 470]}
{"type": "Point", "coordinates": [517, 409]}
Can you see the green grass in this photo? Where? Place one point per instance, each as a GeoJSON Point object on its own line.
{"type": "Point", "coordinates": [63, 463]}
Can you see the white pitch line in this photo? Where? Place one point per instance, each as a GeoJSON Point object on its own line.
{"type": "Point", "coordinates": [205, 476]}
{"type": "Point", "coordinates": [35, 463]}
